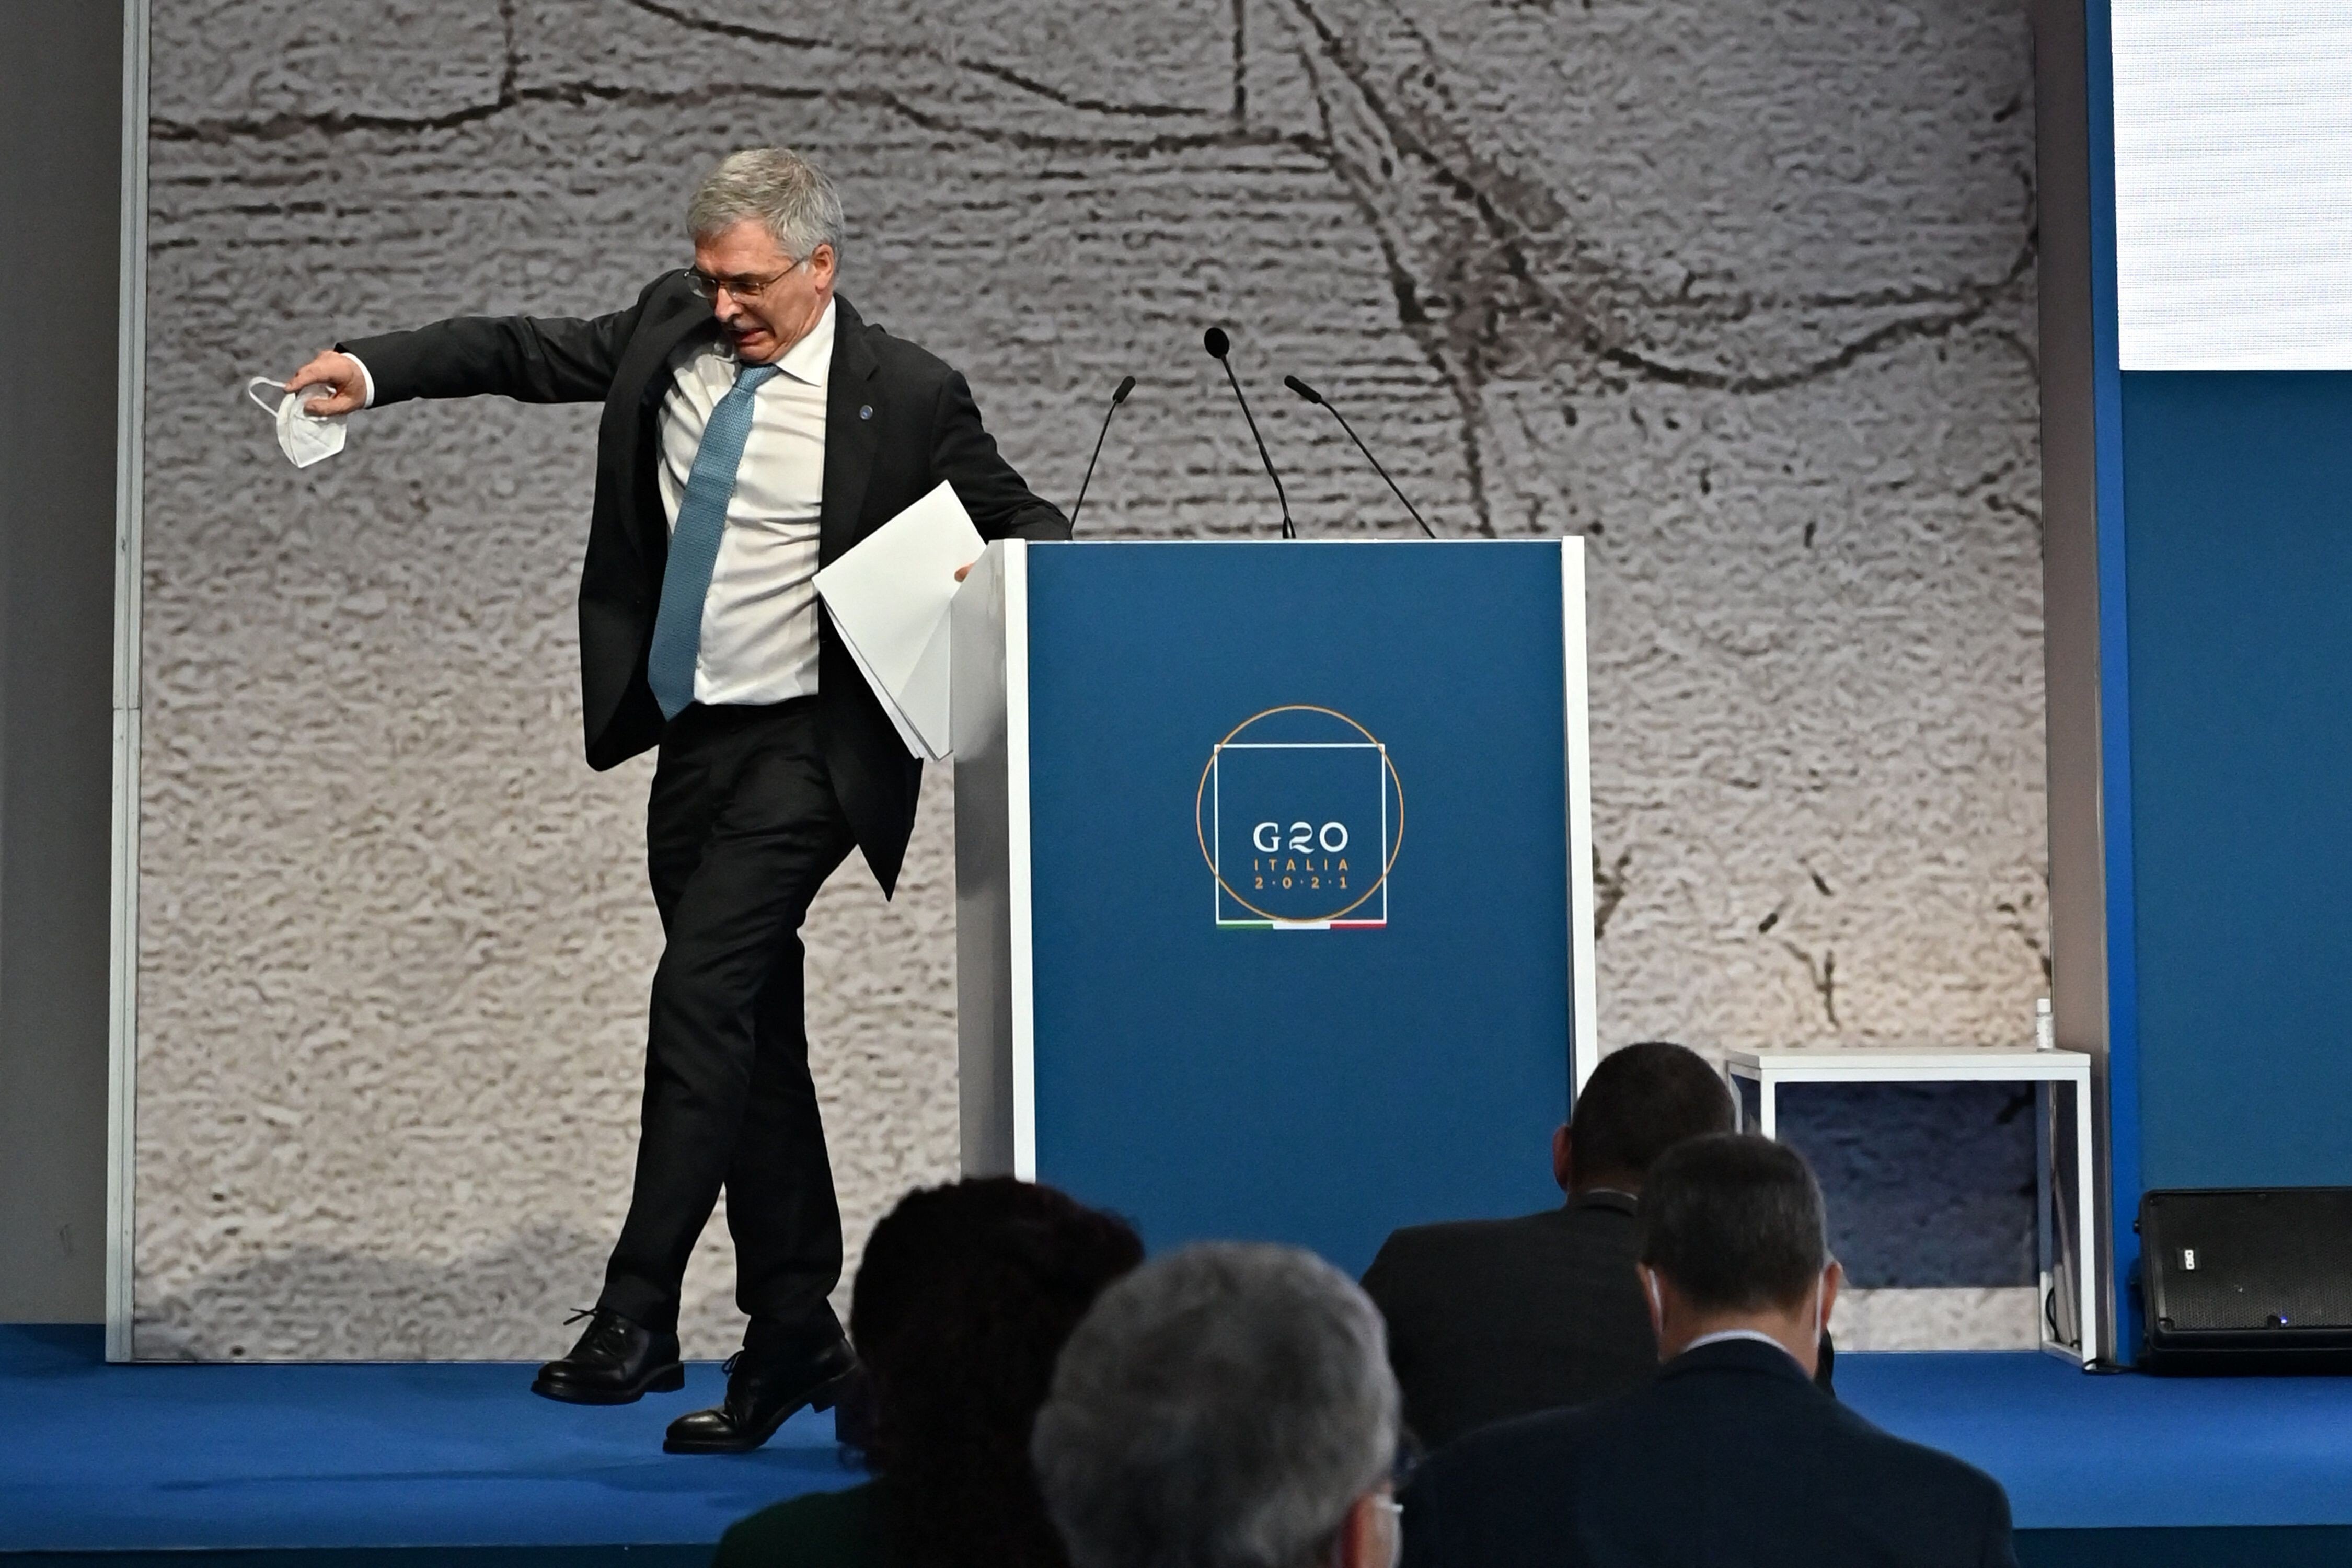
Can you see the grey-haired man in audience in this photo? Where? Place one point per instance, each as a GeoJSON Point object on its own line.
{"type": "Point", "coordinates": [1226, 1407]}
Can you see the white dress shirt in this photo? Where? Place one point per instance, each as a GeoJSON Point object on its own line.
{"type": "Point", "coordinates": [759, 620]}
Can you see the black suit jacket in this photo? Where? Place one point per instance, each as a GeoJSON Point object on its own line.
{"type": "Point", "coordinates": [1729, 1457]}
{"type": "Point", "coordinates": [898, 422]}
{"type": "Point", "coordinates": [1491, 1319]}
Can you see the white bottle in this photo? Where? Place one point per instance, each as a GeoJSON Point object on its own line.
{"type": "Point", "coordinates": [2045, 1027]}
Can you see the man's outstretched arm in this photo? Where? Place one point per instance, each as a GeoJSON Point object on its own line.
{"type": "Point", "coordinates": [532, 359]}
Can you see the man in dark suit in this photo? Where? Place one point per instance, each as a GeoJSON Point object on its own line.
{"type": "Point", "coordinates": [1731, 1457]}
{"type": "Point", "coordinates": [1490, 1318]}
{"type": "Point", "coordinates": [754, 427]}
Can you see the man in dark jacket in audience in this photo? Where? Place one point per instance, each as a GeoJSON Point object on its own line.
{"type": "Point", "coordinates": [1731, 1457]}
{"type": "Point", "coordinates": [1491, 1319]}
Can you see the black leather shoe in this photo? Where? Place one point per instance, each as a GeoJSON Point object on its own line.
{"type": "Point", "coordinates": [616, 1363]}
{"type": "Point", "coordinates": [763, 1388]}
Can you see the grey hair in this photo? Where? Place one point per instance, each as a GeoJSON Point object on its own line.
{"type": "Point", "coordinates": [773, 186]}
{"type": "Point", "coordinates": [1221, 1407]}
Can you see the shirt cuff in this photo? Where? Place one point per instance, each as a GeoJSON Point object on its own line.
{"type": "Point", "coordinates": [365, 375]}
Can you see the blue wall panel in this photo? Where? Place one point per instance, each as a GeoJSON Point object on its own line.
{"type": "Point", "coordinates": [2238, 497]}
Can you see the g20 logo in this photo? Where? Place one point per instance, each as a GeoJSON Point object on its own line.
{"type": "Point", "coordinates": [1300, 814]}
{"type": "Point", "coordinates": [1304, 840]}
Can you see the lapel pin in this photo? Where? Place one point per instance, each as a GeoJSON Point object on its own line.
{"type": "Point", "coordinates": [866, 411]}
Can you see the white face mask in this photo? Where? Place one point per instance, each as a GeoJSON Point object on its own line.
{"type": "Point", "coordinates": [305, 437]}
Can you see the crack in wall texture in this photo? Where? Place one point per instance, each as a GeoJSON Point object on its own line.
{"type": "Point", "coordinates": [1743, 295]}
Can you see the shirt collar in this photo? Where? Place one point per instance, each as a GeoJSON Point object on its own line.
{"type": "Point", "coordinates": [1722, 1336]}
{"type": "Point", "coordinates": [810, 360]}
{"type": "Point", "coordinates": [1615, 1198]}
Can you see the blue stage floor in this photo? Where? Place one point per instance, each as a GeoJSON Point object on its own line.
{"type": "Point", "coordinates": [2125, 1450]}
{"type": "Point", "coordinates": [130, 1460]}
{"type": "Point", "coordinates": [143, 1459]}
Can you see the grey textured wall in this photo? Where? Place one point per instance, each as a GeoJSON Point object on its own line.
{"type": "Point", "coordinates": [61, 124]}
{"type": "Point", "coordinates": [1744, 294]}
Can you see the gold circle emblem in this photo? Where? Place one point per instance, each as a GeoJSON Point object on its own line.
{"type": "Point", "coordinates": [1200, 832]}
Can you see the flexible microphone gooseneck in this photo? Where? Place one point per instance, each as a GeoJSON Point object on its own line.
{"type": "Point", "coordinates": [1218, 346]}
{"type": "Point", "coordinates": [1117, 398]}
{"type": "Point", "coordinates": [1311, 395]}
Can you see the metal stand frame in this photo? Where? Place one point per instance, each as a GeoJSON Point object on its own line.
{"type": "Point", "coordinates": [2062, 1264]}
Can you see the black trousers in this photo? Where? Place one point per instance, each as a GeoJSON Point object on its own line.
{"type": "Point", "coordinates": [742, 829]}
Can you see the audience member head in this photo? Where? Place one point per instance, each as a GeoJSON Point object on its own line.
{"type": "Point", "coordinates": [964, 1299]}
{"type": "Point", "coordinates": [1639, 1103]}
{"type": "Point", "coordinates": [1732, 1238]}
{"type": "Point", "coordinates": [1226, 1407]}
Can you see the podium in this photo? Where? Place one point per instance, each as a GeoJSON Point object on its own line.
{"type": "Point", "coordinates": [1274, 886]}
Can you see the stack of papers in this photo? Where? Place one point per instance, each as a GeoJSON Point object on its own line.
{"type": "Point", "coordinates": [889, 596]}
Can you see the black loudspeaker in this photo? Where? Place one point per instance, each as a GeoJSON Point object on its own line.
{"type": "Point", "coordinates": [2247, 1279]}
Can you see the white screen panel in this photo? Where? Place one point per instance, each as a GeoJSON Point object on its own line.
{"type": "Point", "coordinates": [2233, 184]}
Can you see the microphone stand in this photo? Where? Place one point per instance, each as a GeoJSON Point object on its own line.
{"type": "Point", "coordinates": [1219, 345]}
{"type": "Point", "coordinates": [1311, 395]}
{"type": "Point", "coordinates": [1117, 398]}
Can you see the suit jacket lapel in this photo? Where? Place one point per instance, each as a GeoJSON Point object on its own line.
{"type": "Point", "coordinates": [650, 353]}
{"type": "Point", "coordinates": [851, 423]}
{"type": "Point", "coordinates": [661, 341]}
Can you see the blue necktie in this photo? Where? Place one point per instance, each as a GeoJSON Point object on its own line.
{"type": "Point", "coordinates": [694, 543]}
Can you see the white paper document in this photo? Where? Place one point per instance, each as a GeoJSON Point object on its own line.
{"type": "Point", "coordinates": [889, 596]}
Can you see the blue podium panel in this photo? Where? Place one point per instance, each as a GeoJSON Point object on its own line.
{"type": "Point", "coordinates": [1307, 881]}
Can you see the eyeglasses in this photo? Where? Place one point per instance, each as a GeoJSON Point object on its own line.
{"type": "Point", "coordinates": [742, 285]}
{"type": "Point", "coordinates": [1406, 1460]}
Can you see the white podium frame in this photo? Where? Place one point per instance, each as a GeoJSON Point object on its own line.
{"type": "Point", "coordinates": [988, 720]}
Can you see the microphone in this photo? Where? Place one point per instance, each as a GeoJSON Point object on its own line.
{"type": "Point", "coordinates": [1311, 395]}
{"type": "Point", "coordinates": [1218, 346]}
{"type": "Point", "coordinates": [1117, 398]}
